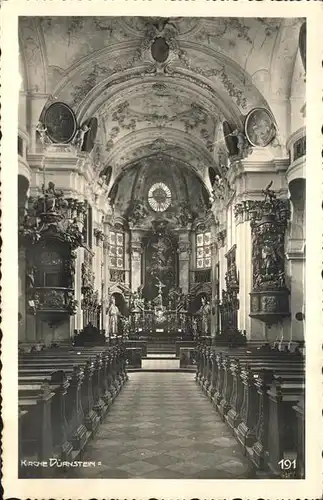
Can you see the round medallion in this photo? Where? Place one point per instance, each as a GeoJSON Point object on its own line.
{"type": "Point", "coordinates": [260, 128]}
{"type": "Point", "coordinates": [159, 197]}
{"type": "Point", "coordinates": [90, 135]}
{"type": "Point", "coordinates": [60, 122]}
{"type": "Point", "coordinates": [160, 50]}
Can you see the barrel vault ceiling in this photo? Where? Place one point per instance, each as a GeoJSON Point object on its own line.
{"type": "Point", "coordinates": [213, 69]}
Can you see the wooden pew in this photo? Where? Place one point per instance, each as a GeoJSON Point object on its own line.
{"type": "Point", "coordinates": [59, 385]}
{"type": "Point", "coordinates": [76, 432]}
{"type": "Point", "coordinates": [92, 378]}
{"type": "Point", "coordinates": [283, 395]}
{"type": "Point", "coordinates": [237, 383]}
{"type": "Point", "coordinates": [91, 419]}
{"type": "Point", "coordinates": [35, 402]}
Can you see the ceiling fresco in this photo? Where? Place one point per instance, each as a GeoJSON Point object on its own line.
{"type": "Point", "coordinates": [172, 80]}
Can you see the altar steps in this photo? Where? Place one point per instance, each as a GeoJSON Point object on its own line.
{"type": "Point", "coordinates": [160, 348]}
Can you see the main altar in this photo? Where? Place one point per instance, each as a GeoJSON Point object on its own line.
{"type": "Point", "coordinates": [154, 318]}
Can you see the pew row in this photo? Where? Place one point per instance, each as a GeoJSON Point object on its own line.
{"type": "Point", "coordinates": [63, 396]}
{"type": "Point", "coordinates": [258, 393]}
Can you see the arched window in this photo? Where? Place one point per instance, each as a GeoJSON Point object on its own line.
{"type": "Point", "coordinates": [203, 248]}
{"type": "Point", "coordinates": [117, 247]}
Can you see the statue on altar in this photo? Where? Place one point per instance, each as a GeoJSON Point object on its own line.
{"type": "Point", "coordinates": [114, 315]}
{"type": "Point", "coordinates": [159, 299]}
{"type": "Point", "coordinates": [158, 303]}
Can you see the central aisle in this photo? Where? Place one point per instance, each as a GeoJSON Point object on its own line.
{"type": "Point", "coordinates": [162, 426]}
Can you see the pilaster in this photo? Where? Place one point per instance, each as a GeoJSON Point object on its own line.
{"type": "Point", "coordinates": [136, 259]}
{"type": "Point", "coordinates": [184, 252]}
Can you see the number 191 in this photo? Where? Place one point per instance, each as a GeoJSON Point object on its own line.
{"type": "Point", "coordinates": [286, 464]}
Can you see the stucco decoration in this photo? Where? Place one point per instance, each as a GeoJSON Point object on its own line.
{"type": "Point", "coordinates": [161, 84]}
{"type": "Point", "coordinates": [33, 53]}
{"type": "Point", "coordinates": [160, 47]}
{"type": "Point", "coordinates": [170, 111]}
{"type": "Point", "coordinates": [283, 57]}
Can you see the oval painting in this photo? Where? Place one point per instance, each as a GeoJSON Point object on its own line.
{"type": "Point", "coordinates": [260, 128]}
{"type": "Point", "coordinates": [60, 122]}
{"type": "Point", "coordinates": [231, 141]}
{"type": "Point", "coordinates": [89, 138]}
{"type": "Point", "coordinates": [160, 50]}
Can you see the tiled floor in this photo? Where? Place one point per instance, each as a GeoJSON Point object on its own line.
{"type": "Point", "coordinates": [162, 426]}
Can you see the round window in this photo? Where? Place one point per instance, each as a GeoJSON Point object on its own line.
{"type": "Point", "coordinates": [159, 197]}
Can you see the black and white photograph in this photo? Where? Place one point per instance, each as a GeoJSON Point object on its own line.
{"type": "Point", "coordinates": [161, 207]}
{"type": "Point", "coordinates": [161, 244]}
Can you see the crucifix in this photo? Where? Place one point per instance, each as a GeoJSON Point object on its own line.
{"type": "Point", "coordinates": [160, 285]}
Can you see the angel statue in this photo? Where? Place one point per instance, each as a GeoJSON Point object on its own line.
{"type": "Point", "coordinates": [80, 134]}
{"type": "Point", "coordinates": [42, 131]}
{"type": "Point", "coordinates": [242, 145]}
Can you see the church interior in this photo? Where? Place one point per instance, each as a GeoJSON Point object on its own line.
{"type": "Point", "coordinates": [161, 232]}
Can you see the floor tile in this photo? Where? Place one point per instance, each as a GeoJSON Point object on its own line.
{"type": "Point", "coordinates": [162, 426]}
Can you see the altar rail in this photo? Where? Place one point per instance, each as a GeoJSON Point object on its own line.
{"type": "Point", "coordinates": [259, 393]}
{"type": "Point", "coordinates": [63, 395]}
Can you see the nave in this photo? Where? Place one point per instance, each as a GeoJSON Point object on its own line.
{"type": "Point", "coordinates": [162, 426]}
{"type": "Point", "coordinates": [95, 411]}
{"type": "Point", "coordinates": [161, 210]}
